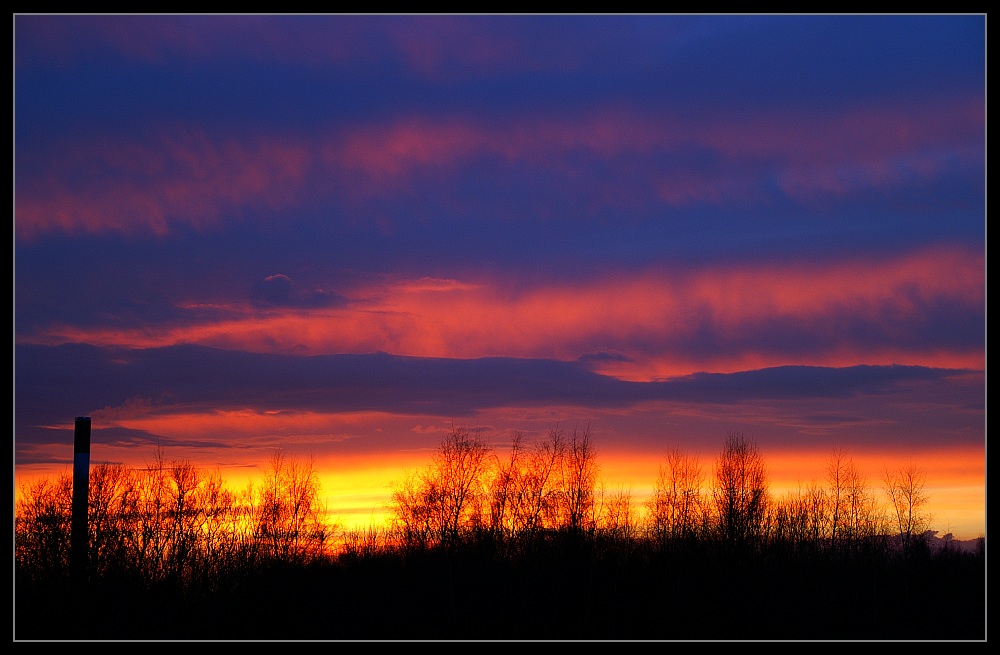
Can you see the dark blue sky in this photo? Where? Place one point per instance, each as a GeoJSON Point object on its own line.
{"type": "Point", "coordinates": [504, 220]}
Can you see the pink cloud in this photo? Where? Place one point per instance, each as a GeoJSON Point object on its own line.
{"type": "Point", "coordinates": [182, 178]}
{"type": "Point", "coordinates": [192, 177]}
{"type": "Point", "coordinates": [654, 319]}
{"type": "Point", "coordinates": [832, 155]}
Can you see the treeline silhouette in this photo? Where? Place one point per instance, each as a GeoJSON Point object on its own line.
{"type": "Point", "coordinates": [516, 543]}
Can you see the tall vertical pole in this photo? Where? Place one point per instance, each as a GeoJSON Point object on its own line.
{"type": "Point", "coordinates": [81, 483]}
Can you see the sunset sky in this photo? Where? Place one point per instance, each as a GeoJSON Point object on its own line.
{"type": "Point", "coordinates": [342, 235]}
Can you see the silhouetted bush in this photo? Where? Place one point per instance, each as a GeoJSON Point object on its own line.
{"type": "Point", "coordinates": [528, 547]}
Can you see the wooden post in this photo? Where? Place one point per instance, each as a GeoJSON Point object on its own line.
{"type": "Point", "coordinates": [81, 483]}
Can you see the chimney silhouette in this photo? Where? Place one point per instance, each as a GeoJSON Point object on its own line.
{"type": "Point", "coordinates": [81, 483]}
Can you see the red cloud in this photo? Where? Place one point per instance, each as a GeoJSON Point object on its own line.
{"type": "Point", "coordinates": [655, 320]}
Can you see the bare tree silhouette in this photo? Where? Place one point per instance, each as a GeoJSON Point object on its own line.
{"type": "Point", "coordinates": [740, 490]}
{"type": "Point", "coordinates": [178, 555]}
{"type": "Point", "coordinates": [436, 505]}
{"type": "Point", "coordinates": [42, 519]}
{"type": "Point", "coordinates": [578, 479]}
{"type": "Point", "coordinates": [676, 507]}
{"type": "Point", "coordinates": [289, 515]}
{"type": "Point", "coordinates": [905, 487]}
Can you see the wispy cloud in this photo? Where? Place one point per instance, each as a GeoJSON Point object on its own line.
{"type": "Point", "coordinates": [338, 233]}
{"type": "Point", "coordinates": [187, 176]}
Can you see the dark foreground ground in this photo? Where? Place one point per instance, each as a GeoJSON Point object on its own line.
{"type": "Point", "coordinates": [553, 594]}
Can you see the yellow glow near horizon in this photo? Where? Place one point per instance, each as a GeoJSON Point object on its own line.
{"type": "Point", "coordinates": [357, 489]}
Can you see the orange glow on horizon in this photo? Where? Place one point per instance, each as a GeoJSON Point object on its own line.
{"type": "Point", "coordinates": [357, 488]}
{"type": "Point", "coordinates": [955, 479]}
